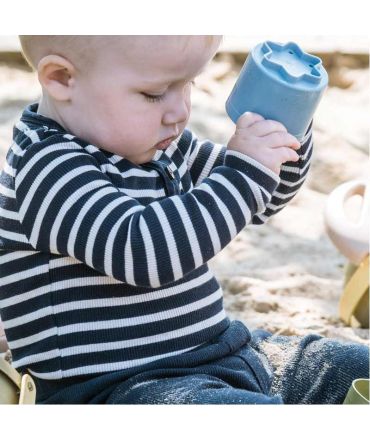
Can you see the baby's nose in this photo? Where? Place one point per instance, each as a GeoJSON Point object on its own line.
{"type": "Point", "coordinates": [176, 113]}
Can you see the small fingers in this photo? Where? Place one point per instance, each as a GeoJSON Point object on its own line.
{"type": "Point", "coordinates": [247, 119]}
{"type": "Point", "coordinates": [286, 154]}
{"type": "Point", "coordinates": [273, 133]}
{"type": "Point", "coordinates": [281, 139]}
{"type": "Point", "coordinates": [266, 127]}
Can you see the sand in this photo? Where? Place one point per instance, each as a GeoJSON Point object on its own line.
{"type": "Point", "coordinates": [285, 276]}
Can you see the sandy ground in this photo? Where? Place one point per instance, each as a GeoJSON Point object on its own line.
{"type": "Point", "coordinates": [285, 276]}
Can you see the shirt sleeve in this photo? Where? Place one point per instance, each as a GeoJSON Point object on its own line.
{"type": "Point", "coordinates": [67, 205]}
{"type": "Point", "coordinates": [201, 156]}
{"type": "Point", "coordinates": [292, 177]}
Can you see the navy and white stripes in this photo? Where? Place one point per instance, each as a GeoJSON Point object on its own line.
{"type": "Point", "coordinates": [103, 262]}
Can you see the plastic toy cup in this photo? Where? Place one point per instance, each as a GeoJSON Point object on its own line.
{"type": "Point", "coordinates": [280, 82]}
{"type": "Point", "coordinates": [358, 394]}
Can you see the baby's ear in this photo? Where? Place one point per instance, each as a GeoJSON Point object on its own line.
{"type": "Point", "coordinates": [56, 75]}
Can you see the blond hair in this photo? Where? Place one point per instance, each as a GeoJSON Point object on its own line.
{"type": "Point", "coordinates": [80, 50]}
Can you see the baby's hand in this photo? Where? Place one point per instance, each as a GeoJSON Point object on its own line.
{"type": "Point", "coordinates": [266, 141]}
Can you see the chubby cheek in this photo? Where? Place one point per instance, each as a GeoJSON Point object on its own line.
{"type": "Point", "coordinates": [126, 133]}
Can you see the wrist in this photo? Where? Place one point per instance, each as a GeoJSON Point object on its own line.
{"type": "Point", "coordinates": [252, 169]}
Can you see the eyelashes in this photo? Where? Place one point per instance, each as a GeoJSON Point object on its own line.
{"type": "Point", "coordinates": [157, 98]}
{"type": "Point", "coordinates": [153, 98]}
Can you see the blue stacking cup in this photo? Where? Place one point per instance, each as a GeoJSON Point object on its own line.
{"type": "Point", "coordinates": [280, 82]}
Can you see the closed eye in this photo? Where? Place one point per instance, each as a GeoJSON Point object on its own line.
{"type": "Point", "coordinates": [152, 98]}
{"type": "Point", "coordinates": [157, 98]}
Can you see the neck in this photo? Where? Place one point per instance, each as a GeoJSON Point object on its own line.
{"type": "Point", "coordinates": [48, 109]}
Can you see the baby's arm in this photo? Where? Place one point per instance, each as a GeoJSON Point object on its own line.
{"type": "Point", "coordinates": [204, 156]}
{"type": "Point", "coordinates": [200, 156]}
{"type": "Point", "coordinates": [68, 206]}
{"type": "Point", "coordinates": [292, 177]}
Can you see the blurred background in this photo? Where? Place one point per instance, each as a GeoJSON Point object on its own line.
{"type": "Point", "coordinates": [285, 276]}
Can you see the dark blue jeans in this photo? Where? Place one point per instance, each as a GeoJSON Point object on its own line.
{"type": "Point", "coordinates": [238, 367]}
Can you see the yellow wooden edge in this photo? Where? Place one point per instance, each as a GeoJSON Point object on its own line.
{"type": "Point", "coordinates": [354, 290]}
{"type": "Point", "coordinates": [10, 372]}
{"type": "Point", "coordinates": [28, 391]}
{"type": "Point", "coordinates": [24, 383]}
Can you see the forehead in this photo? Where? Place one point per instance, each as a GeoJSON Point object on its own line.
{"type": "Point", "coordinates": [165, 58]}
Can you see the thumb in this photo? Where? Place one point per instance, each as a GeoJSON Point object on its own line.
{"type": "Point", "coordinates": [247, 119]}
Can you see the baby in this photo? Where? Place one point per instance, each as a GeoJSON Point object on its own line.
{"type": "Point", "coordinates": [111, 209]}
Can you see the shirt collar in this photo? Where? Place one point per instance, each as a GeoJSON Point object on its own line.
{"type": "Point", "coordinates": [31, 117]}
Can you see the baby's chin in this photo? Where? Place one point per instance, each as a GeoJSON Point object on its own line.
{"type": "Point", "coordinates": [139, 159]}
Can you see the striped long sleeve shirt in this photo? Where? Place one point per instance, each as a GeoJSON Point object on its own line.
{"type": "Point", "coordinates": [103, 263]}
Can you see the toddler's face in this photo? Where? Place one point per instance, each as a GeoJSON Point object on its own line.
{"type": "Point", "coordinates": [136, 100]}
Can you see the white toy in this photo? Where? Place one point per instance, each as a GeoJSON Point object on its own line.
{"type": "Point", "coordinates": [351, 237]}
